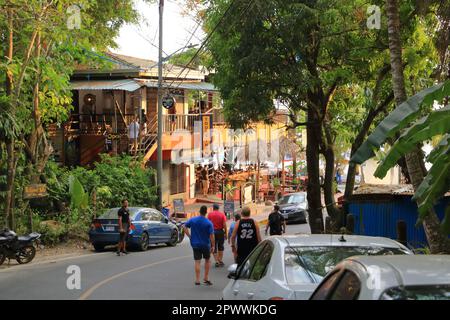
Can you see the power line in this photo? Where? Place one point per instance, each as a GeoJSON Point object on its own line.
{"type": "Point", "coordinates": [208, 38]}
{"type": "Point", "coordinates": [188, 42]}
{"type": "Point", "coordinates": [204, 43]}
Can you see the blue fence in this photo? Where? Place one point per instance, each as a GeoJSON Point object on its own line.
{"type": "Point", "coordinates": [379, 218]}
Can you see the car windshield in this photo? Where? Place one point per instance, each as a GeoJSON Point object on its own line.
{"type": "Point", "coordinates": [291, 199]}
{"type": "Point", "coordinates": [311, 264]}
{"type": "Point", "coordinates": [112, 213]}
{"type": "Point", "coordinates": [436, 292]}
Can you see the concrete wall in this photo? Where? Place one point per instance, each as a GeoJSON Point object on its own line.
{"type": "Point", "coordinates": [368, 169]}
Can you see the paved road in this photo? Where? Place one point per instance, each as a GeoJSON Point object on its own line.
{"type": "Point", "coordinates": [159, 273]}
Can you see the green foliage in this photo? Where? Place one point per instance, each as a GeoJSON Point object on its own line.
{"type": "Point", "coordinates": [71, 193]}
{"type": "Point", "coordinates": [51, 234]}
{"type": "Point", "coordinates": [183, 58]}
{"type": "Point", "coordinates": [79, 199]}
{"type": "Point", "coordinates": [437, 123]}
{"type": "Point", "coordinates": [399, 119]}
{"type": "Point", "coordinates": [276, 183]}
{"type": "Point", "coordinates": [113, 179]}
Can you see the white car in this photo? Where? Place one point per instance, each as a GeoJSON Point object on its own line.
{"type": "Point", "coordinates": [291, 267]}
{"type": "Point", "coordinates": [419, 277]}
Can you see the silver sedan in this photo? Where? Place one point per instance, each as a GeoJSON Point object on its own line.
{"type": "Point", "coordinates": [291, 267]}
{"type": "Point", "coordinates": [419, 277]}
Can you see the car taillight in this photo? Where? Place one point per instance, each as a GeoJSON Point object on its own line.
{"type": "Point", "coordinates": [96, 225]}
{"type": "Point", "coordinates": [132, 227]}
{"type": "Point", "coordinates": [276, 298]}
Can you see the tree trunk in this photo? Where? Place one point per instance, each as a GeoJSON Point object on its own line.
{"type": "Point", "coordinates": [328, 190]}
{"type": "Point", "coordinates": [436, 240]}
{"type": "Point", "coordinates": [11, 167]}
{"type": "Point", "coordinates": [11, 156]}
{"type": "Point", "coordinates": [312, 159]}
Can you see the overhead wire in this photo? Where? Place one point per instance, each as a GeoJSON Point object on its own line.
{"type": "Point", "coordinates": [208, 38]}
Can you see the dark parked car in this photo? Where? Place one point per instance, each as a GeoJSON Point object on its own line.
{"type": "Point", "coordinates": [148, 226]}
{"type": "Point", "coordinates": [294, 207]}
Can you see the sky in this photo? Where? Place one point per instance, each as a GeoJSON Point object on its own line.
{"type": "Point", "coordinates": [142, 40]}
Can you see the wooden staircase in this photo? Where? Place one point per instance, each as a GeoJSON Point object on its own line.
{"type": "Point", "coordinates": [148, 143]}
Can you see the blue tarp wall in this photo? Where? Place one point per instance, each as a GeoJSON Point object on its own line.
{"type": "Point", "coordinates": [378, 217]}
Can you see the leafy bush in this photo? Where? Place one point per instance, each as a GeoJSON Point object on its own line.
{"type": "Point", "coordinates": [113, 179]}
{"type": "Point", "coordinates": [71, 194]}
{"type": "Point", "coordinates": [52, 232]}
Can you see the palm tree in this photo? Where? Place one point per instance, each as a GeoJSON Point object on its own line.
{"type": "Point", "coordinates": [414, 160]}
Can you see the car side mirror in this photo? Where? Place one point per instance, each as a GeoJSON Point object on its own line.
{"type": "Point", "coordinates": [232, 271]}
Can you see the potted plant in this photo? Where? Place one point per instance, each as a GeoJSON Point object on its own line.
{"type": "Point", "coordinates": [277, 187]}
{"type": "Point", "coordinates": [229, 192]}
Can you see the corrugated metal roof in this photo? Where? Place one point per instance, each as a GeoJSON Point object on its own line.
{"type": "Point", "coordinates": [119, 63]}
{"type": "Point", "coordinates": [401, 189]}
{"type": "Point", "coordinates": [134, 84]}
{"type": "Point", "coordinates": [202, 86]}
{"type": "Point", "coordinates": [126, 85]}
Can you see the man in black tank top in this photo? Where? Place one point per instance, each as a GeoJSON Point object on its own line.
{"type": "Point", "coordinates": [246, 233]}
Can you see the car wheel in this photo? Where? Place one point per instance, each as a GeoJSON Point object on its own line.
{"type": "Point", "coordinates": [143, 245]}
{"type": "Point", "coordinates": [99, 247]}
{"type": "Point", "coordinates": [173, 239]}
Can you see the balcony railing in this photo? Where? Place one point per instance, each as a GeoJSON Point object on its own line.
{"type": "Point", "coordinates": [96, 124]}
{"type": "Point", "coordinates": [178, 122]}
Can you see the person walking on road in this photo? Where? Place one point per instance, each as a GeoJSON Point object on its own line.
{"type": "Point", "coordinates": [248, 236]}
{"type": "Point", "coordinates": [201, 233]}
{"type": "Point", "coordinates": [276, 222]}
{"type": "Point", "coordinates": [124, 227]}
{"type": "Point", "coordinates": [219, 221]}
{"type": "Point", "coordinates": [237, 217]}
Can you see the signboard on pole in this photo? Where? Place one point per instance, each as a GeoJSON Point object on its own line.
{"type": "Point", "coordinates": [228, 208]}
{"type": "Point", "coordinates": [206, 135]}
{"type": "Point", "coordinates": [178, 208]}
{"type": "Point", "coordinates": [248, 192]}
{"type": "Point", "coordinates": [35, 191]}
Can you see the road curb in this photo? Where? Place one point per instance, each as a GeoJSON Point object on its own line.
{"type": "Point", "coordinates": [50, 261]}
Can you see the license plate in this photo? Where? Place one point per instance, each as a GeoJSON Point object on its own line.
{"type": "Point", "coordinates": [109, 228]}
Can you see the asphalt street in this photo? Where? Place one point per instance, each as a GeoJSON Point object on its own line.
{"type": "Point", "coordinates": [160, 273]}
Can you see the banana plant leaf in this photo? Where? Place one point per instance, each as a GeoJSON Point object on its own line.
{"type": "Point", "coordinates": [399, 119]}
{"type": "Point", "coordinates": [436, 123]}
{"type": "Point", "coordinates": [435, 184]}
{"type": "Point", "coordinates": [443, 144]}
{"type": "Point", "coordinates": [78, 197]}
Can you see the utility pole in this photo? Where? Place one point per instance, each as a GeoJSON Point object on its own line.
{"type": "Point", "coordinates": [160, 116]}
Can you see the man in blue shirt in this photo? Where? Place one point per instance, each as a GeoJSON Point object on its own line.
{"type": "Point", "coordinates": [201, 233]}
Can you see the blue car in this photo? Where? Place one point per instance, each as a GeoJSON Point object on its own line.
{"type": "Point", "coordinates": [148, 226]}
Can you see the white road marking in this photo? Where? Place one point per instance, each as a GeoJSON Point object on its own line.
{"type": "Point", "coordinates": [91, 290]}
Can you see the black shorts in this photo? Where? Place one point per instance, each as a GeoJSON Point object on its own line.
{"type": "Point", "coordinates": [276, 233]}
{"type": "Point", "coordinates": [123, 236]}
{"type": "Point", "coordinates": [219, 239]}
{"type": "Point", "coordinates": [200, 253]}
